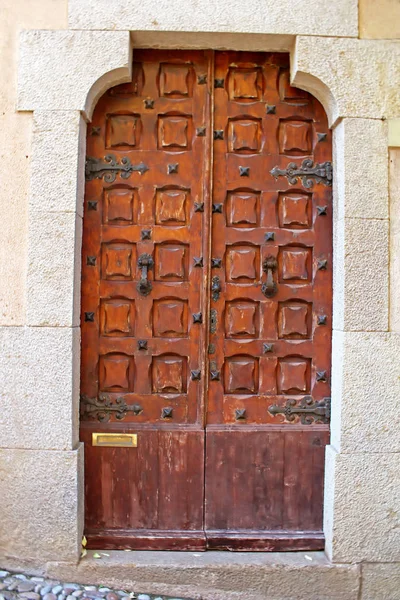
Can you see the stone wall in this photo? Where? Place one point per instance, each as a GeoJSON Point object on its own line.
{"type": "Point", "coordinates": [64, 63]}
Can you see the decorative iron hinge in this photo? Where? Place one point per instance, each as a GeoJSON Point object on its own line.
{"type": "Point", "coordinates": [95, 168]}
{"type": "Point", "coordinates": [103, 407]}
{"type": "Point", "coordinates": [310, 411]}
{"type": "Point", "coordinates": [322, 173]}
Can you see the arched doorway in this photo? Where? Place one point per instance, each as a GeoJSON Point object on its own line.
{"type": "Point", "coordinates": [206, 307]}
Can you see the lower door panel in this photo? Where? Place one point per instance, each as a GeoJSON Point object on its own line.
{"type": "Point", "coordinates": [148, 497]}
{"type": "Point", "coordinates": [264, 488]}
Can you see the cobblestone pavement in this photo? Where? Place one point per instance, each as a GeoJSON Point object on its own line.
{"type": "Point", "coordinates": [15, 586]}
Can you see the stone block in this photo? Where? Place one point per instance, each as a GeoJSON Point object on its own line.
{"type": "Point", "coordinates": [218, 575]}
{"type": "Point", "coordinates": [298, 17]}
{"type": "Point", "coordinates": [380, 581]}
{"type": "Point", "coordinates": [57, 164]}
{"type": "Point", "coordinates": [352, 78]}
{"type": "Point", "coordinates": [379, 20]}
{"type": "Point", "coordinates": [42, 506]}
{"type": "Point", "coordinates": [361, 275]}
{"type": "Point", "coordinates": [361, 171]}
{"type": "Point", "coordinates": [39, 387]}
{"type": "Point", "coordinates": [70, 70]}
{"type": "Point", "coordinates": [362, 509]}
{"type": "Point", "coordinates": [366, 392]}
{"type": "Point", "coordinates": [394, 192]}
{"type": "Point", "coordinates": [54, 258]}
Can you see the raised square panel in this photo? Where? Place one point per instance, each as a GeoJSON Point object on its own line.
{"type": "Point", "coordinates": [241, 319]}
{"type": "Point", "coordinates": [117, 317]}
{"type": "Point", "coordinates": [295, 264]}
{"type": "Point", "coordinates": [173, 132]}
{"type": "Point", "coordinates": [295, 137]}
{"type": "Point", "coordinates": [294, 374]}
{"type": "Point", "coordinates": [245, 84]}
{"type": "Point", "coordinates": [294, 320]}
{"type": "Point", "coordinates": [242, 263]}
{"type": "Point", "coordinates": [288, 93]}
{"type": "Point", "coordinates": [116, 373]}
{"type": "Point", "coordinates": [175, 80]}
{"type": "Point", "coordinates": [169, 374]}
{"type": "Point", "coordinates": [170, 318]}
{"type": "Point", "coordinates": [242, 209]}
{"type": "Point", "coordinates": [119, 206]}
{"type": "Point", "coordinates": [171, 262]}
{"type": "Point", "coordinates": [241, 375]}
{"type": "Point", "coordinates": [294, 210]}
{"type": "Point", "coordinates": [123, 130]}
{"type": "Point", "coordinates": [117, 261]}
{"type": "Point", "coordinates": [171, 207]}
{"type": "Point", "coordinates": [244, 135]}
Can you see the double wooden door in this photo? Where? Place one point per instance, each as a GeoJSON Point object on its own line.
{"type": "Point", "coordinates": [206, 307]}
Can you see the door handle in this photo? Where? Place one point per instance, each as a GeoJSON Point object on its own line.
{"type": "Point", "coordinates": [145, 263]}
{"type": "Point", "coordinates": [215, 287]}
{"type": "Point", "coordinates": [269, 288]}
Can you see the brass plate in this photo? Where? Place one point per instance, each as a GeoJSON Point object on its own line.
{"type": "Point", "coordinates": [115, 440]}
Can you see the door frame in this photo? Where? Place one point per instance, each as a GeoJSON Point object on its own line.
{"type": "Point", "coordinates": [59, 133]}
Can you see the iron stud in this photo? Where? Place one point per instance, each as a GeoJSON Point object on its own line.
{"type": "Point", "coordinates": [202, 79]}
{"type": "Point", "coordinates": [271, 109]}
{"type": "Point", "coordinates": [219, 134]}
{"type": "Point", "coordinates": [95, 131]}
{"type": "Point", "coordinates": [321, 137]}
{"type": "Point", "coordinates": [321, 320]}
{"type": "Point", "coordinates": [267, 348]}
{"type": "Point", "coordinates": [216, 263]}
{"type": "Point", "coordinates": [322, 210]}
{"type": "Point", "coordinates": [89, 317]}
{"type": "Point", "coordinates": [322, 265]}
{"type": "Point", "coordinates": [198, 261]}
{"type": "Point", "coordinates": [149, 103]}
{"type": "Point", "coordinates": [217, 208]}
{"type": "Point", "coordinates": [91, 261]}
{"type": "Point", "coordinates": [142, 344]}
{"type": "Point", "coordinates": [240, 413]}
{"type": "Point", "coordinates": [199, 207]}
{"type": "Point", "coordinates": [92, 205]}
{"type": "Point", "coordinates": [166, 412]}
{"type": "Point", "coordinates": [146, 234]}
{"type": "Point", "coordinates": [173, 168]}
{"type": "Point", "coordinates": [269, 236]}
{"type": "Point", "coordinates": [195, 375]}
{"type": "Point", "coordinates": [244, 171]}
{"type": "Point", "coordinates": [201, 131]}
{"type": "Point", "coordinates": [320, 376]}
{"type": "Point", "coordinates": [218, 83]}
{"type": "Point", "coordinates": [197, 317]}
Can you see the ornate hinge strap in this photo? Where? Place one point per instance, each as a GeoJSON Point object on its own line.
{"type": "Point", "coordinates": [102, 408]}
{"type": "Point", "coordinates": [95, 168]}
{"type": "Point", "coordinates": [322, 173]}
{"type": "Point", "coordinates": [310, 411]}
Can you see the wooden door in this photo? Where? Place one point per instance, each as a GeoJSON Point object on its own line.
{"type": "Point", "coordinates": [270, 344]}
{"type": "Point", "coordinates": [143, 305]}
{"type": "Point", "coordinates": [206, 307]}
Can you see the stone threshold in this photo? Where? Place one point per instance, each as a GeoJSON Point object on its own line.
{"type": "Point", "coordinates": [216, 575]}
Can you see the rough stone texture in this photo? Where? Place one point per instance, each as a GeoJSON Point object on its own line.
{"type": "Point", "coordinates": [394, 182]}
{"type": "Point", "coordinates": [53, 282]}
{"type": "Point", "coordinates": [364, 511]}
{"type": "Point", "coordinates": [212, 575]}
{"type": "Point", "coordinates": [58, 151]}
{"type": "Point", "coordinates": [361, 275]}
{"type": "Point", "coordinates": [15, 150]}
{"type": "Point", "coordinates": [352, 78]}
{"type": "Point", "coordinates": [42, 505]}
{"type": "Point", "coordinates": [379, 19]}
{"type": "Point", "coordinates": [70, 70]}
{"type": "Point", "coordinates": [299, 17]}
{"type": "Point", "coordinates": [380, 581]}
{"type": "Point", "coordinates": [366, 392]}
{"type": "Point", "coordinates": [361, 171]}
{"type": "Point", "coordinates": [39, 389]}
